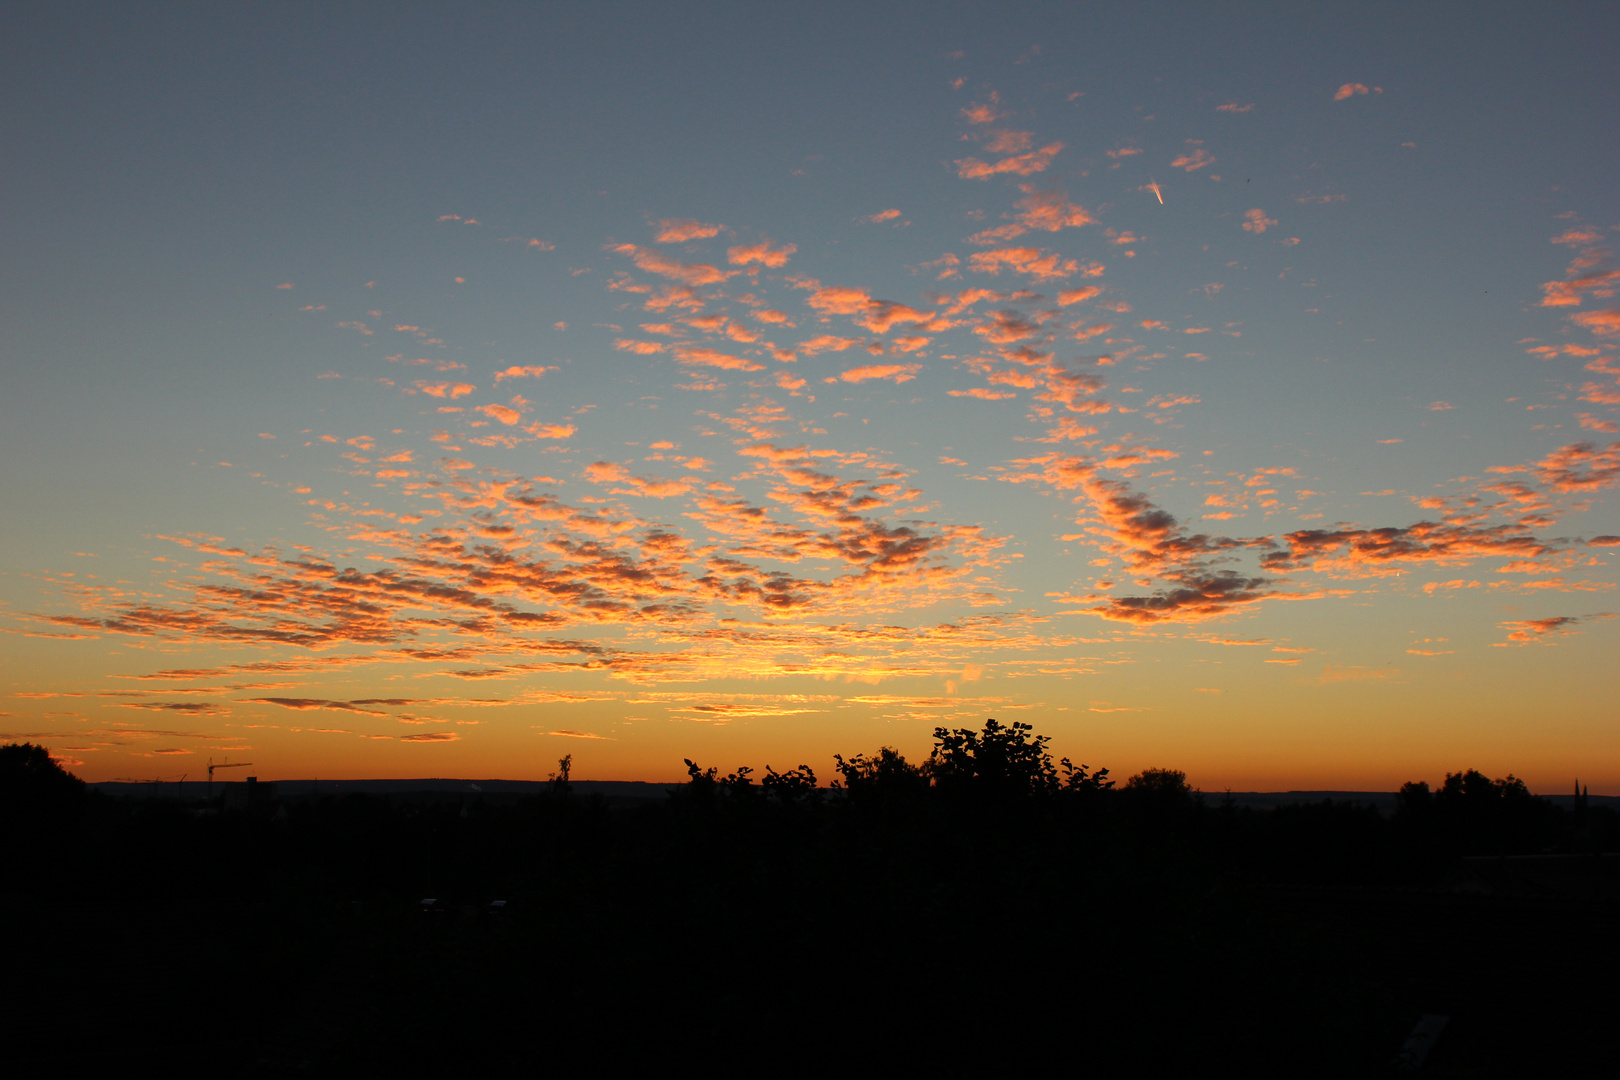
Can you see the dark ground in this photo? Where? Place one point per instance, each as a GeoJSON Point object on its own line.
{"type": "Point", "coordinates": [951, 929]}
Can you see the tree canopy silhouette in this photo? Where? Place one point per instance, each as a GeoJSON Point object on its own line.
{"type": "Point", "coordinates": [30, 778]}
{"type": "Point", "coordinates": [999, 762]}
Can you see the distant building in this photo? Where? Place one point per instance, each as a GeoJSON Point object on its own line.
{"type": "Point", "coordinates": [249, 795]}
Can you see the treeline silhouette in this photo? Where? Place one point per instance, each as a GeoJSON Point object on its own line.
{"type": "Point", "coordinates": [986, 912]}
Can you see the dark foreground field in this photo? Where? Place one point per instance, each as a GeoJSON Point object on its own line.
{"type": "Point", "coordinates": [986, 915]}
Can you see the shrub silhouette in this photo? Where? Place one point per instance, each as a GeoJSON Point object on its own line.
{"type": "Point", "coordinates": [998, 763]}
{"type": "Point", "coordinates": [1077, 779]}
{"type": "Point", "coordinates": [885, 775]}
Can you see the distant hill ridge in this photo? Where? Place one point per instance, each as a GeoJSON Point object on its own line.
{"type": "Point", "coordinates": [1384, 801]}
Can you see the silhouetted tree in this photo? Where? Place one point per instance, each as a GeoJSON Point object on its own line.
{"type": "Point", "coordinates": [559, 779]}
{"type": "Point", "coordinates": [1077, 779]}
{"type": "Point", "coordinates": [791, 788]}
{"type": "Point", "coordinates": [1414, 799]}
{"type": "Point", "coordinates": [1159, 801]}
{"type": "Point", "coordinates": [885, 775]}
{"type": "Point", "coordinates": [30, 780]}
{"type": "Point", "coordinates": [1473, 814]}
{"type": "Point", "coordinates": [1167, 785]}
{"type": "Point", "coordinates": [999, 762]}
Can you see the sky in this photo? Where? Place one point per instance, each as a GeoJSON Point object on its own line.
{"type": "Point", "coordinates": [437, 390]}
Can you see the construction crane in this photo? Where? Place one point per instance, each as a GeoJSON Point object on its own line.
{"type": "Point", "coordinates": [226, 764]}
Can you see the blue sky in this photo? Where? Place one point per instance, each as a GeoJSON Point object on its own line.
{"type": "Point", "coordinates": [1012, 286]}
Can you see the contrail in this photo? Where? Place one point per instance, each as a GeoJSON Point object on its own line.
{"type": "Point", "coordinates": [1154, 184]}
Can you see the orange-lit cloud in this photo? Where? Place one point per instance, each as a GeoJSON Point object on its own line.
{"type": "Point", "coordinates": [825, 343]}
{"type": "Point", "coordinates": [1425, 542]}
{"type": "Point", "coordinates": [898, 373]}
{"type": "Point", "coordinates": [1040, 265]}
{"type": "Point", "coordinates": [655, 262]}
{"type": "Point", "coordinates": [445, 390]}
{"type": "Point", "coordinates": [680, 230]}
{"type": "Point", "coordinates": [1349, 90]}
{"type": "Point", "coordinates": [1255, 221]}
{"type": "Point", "coordinates": [518, 371]}
{"type": "Point", "coordinates": [1604, 323]}
{"type": "Point", "coordinates": [1194, 160]}
{"type": "Point", "coordinates": [1580, 467]}
{"type": "Point", "coordinates": [1048, 211]}
{"type": "Point", "coordinates": [703, 356]}
{"type": "Point", "coordinates": [761, 253]}
{"type": "Point", "coordinates": [509, 414]}
{"type": "Point", "coordinates": [982, 112]}
{"type": "Point", "coordinates": [1526, 631]}
{"type": "Point", "coordinates": [1019, 165]}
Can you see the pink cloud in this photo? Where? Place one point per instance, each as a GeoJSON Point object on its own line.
{"type": "Point", "coordinates": [1009, 142]}
{"type": "Point", "coordinates": [1524, 631]}
{"type": "Point", "coordinates": [679, 230]}
{"type": "Point", "coordinates": [1597, 423]}
{"type": "Point", "coordinates": [505, 415]}
{"type": "Point", "coordinates": [877, 316]}
{"type": "Point", "coordinates": [983, 394]}
{"type": "Point", "coordinates": [706, 357]}
{"type": "Point", "coordinates": [825, 343]}
{"type": "Point", "coordinates": [551, 431]}
{"type": "Point", "coordinates": [1349, 90]}
{"type": "Point", "coordinates": [1197, 159]}
{"type": "Point", "coordinates": [1257, 222]}
{"type": "Point", "coordinates": [1048, 211]}
{"type": "Point", "coordinates": [656, 487]}
{"type": "Point", "coordinates": [881, 315]}
{"type": "Point", "coordinates": [1603, 323]}
{"type": "Point", "coordinates": [655, 262]}
{"type": "Point", "coordinates": [1569, 293]}
{"type": "Point", "coordinates": [516, 371]}
{"type": "Point", "coordinates": [761, 253]}
{"type": "Point", "coordinates": [1042, 266]}
{"type": "Point", "coordinates": [981, 113]}
{"type": "Point", "coordinates": [898, 373]}
{"type": "Point", "coordinates": [882, 216]}
{"type": "Point", "coordinates": [450, 390]}
{"type": "Point", "coordinates": [839, 300]}
{"type": "Point", "coordinates": [1580, 467]}
{"type": "Point", "coordinates": [1021, 165]}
